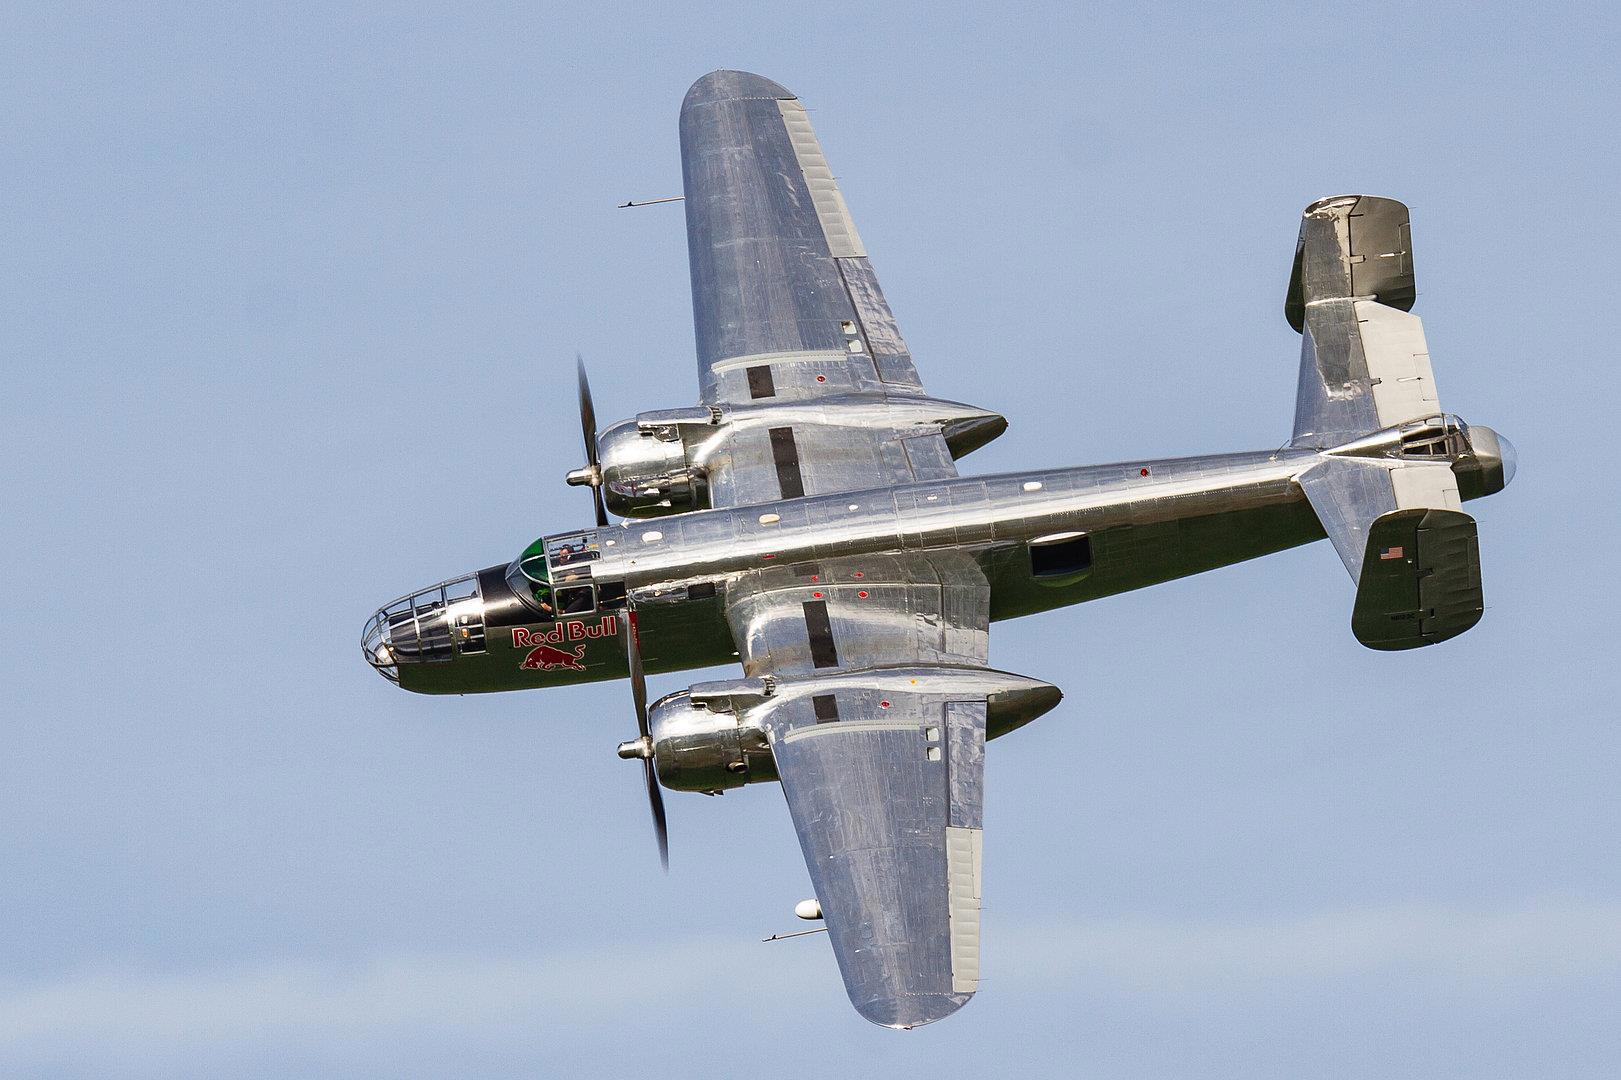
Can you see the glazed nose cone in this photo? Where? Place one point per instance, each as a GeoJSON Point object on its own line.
{"type": "Point", "coordinates": [431, 625]}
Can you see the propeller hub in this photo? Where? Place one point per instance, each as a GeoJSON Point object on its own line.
{"type": "Point", "coordinates": [637, 748]}
{"type": "Point", "coordinates": [586, 476]}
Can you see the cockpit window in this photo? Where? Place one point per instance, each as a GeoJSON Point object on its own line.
{"type": "Point", "coordinates": [554, 574]}
{"type": "Point", "coordinates": [571, 550]}
{"type": "Point", "coordinates": [529, 577]}
{"type": "Point", "coordinates": [532, 563]}
{"type": "Point", "coordinates": [577, 600]}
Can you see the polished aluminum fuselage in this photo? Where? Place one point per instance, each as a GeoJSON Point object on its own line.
{"type": "Point", "coordinates": [1148, 521]}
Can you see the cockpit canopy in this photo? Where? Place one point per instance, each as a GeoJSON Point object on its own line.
{"type": "Point", "coordinates": [554, 576]}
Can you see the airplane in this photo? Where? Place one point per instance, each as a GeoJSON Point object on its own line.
{"type": "Point", "coordinates": [807, 519]}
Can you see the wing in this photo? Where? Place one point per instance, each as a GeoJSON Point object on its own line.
{"type": "Point", "coordinates": [882, 767]}
{"type": "Point", "coordinates": [888, 814]}
{"type": "Point", "coordinates": [789, 315]}
{"type": "Point", "coordinates": [781, 287]}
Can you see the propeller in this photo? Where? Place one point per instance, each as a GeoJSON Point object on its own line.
{"type": "Point", "coordinates": [643, 746]}
{"type": "Point", "coordinates": [591, 475]}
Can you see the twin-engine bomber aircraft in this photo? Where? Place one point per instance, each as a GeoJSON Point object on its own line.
{"type": "Point", "coordinates": [808, 518]}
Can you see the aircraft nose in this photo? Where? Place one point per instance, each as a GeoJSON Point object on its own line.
{"type": "Point", "coordinates": [430, 626]}
{"type": "Point", "coordinates": [377, 645]}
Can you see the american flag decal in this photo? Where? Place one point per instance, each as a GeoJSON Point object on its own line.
{"type": "Point", "coordinates": [1391, 553]}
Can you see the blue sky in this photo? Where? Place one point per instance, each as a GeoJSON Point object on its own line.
{"type": "Point", "coordinates": [289, 306]}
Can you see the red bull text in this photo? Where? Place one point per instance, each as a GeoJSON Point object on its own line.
{"type": "Point", "coordinates": [544, 654]}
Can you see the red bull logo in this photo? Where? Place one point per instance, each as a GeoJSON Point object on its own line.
{"type": "Point", "coordinates": [545, 657]}
{"type": "Point", "coordinates": [543, 643]}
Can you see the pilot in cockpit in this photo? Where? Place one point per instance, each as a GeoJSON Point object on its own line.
{"type": "Point", "coordinates": [573, 552]}
{"type": "Point", "coordinates": [555, 579]}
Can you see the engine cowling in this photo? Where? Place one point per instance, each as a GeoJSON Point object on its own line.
{"type": "Point", "coordinates": [711, 737]}
{"type": "Point", "coordinates": [645, 470]}
{"type": "Point", "coordinates": [657, 463]}
{"type": "Point", "coordinates": [704, 745]}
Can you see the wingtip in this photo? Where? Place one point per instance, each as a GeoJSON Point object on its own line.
{"type": "Point", "coordinates": [729, 85]}
{"type": "Point", "coordinates": [912, 1011]}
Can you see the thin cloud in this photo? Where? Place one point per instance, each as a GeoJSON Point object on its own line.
{"type": "Point", "coordinates": [112, 1012]}
{"type": "Point", "coordinates": [251, 1002]}
{"type": "Point", "coordinates": [1545, 941]}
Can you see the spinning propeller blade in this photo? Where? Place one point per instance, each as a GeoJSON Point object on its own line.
{"type": "Point", "coordinates": [638, 691]}
{"type": "Point", "coordinates": [592, 473]}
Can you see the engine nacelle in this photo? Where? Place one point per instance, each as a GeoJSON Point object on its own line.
{"type": "Point", "coordinates": [706, 744]}
{"type": "Point", "coordinates": [657, 463]}
{"type": "Point", "coordinates": [645, 471]}
{"type": "Point", "coordinates": [711, 736]}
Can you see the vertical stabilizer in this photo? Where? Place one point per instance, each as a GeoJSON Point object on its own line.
{"type": "Point", "coordinates": [1364, 364]}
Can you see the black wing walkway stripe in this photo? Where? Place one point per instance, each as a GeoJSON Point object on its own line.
{"type": "Point", "coordinates": [786, 454]}
{"type": "Point", "coordinates": [761, 383]}
{"type": "Point", "coordinates": [820, 629]}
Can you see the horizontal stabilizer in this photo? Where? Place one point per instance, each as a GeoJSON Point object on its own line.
{"type": "Point", "coordinates": [1420, 580]}
{"type": "Point", "coordinates": [1412, 552]}
{"type": "Point", "coordinates": [1350, 494]}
